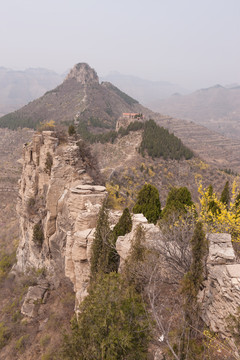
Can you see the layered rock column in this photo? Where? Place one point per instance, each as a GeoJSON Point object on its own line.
{"type": "Point", "coordinates": [65, 202]}
{"type": "Point", "coordinates": [220, 297]}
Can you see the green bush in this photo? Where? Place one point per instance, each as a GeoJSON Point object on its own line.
{"type": "Point", "coordinates": [48, 163]}
{"type": "Point", "coordinates": [4, 335]}
{"type": "Point", "coordinates": [148, 203]}
{"type": "Point", "coordinates": [71, 130]}
{"type": "Point", "coordinates": [177, 201]}
{"type": "Point", "coordinates": [112, 324]}
{"type": "Point", "coordinates": [124, 224]}
{"type": "Point", "coordinates": [102, 244]}
{"type": "Point", "coordinates": [38, 236]}
{"type": "Point", "coordinates": [21, 343]}
{"type": "Point", "coordinates": [31, 206]}
{"type": "Point", "coordinates": [6, 263]}
{"type": "Point", "coordinates": [225, 196]}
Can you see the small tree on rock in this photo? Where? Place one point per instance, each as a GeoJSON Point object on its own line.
{"type": "Point", "coordinates": [124, 224]}
{"type": "Point", "coordinates": [71, 130]}
{"type": "Point", "coordinates": [101, 244]}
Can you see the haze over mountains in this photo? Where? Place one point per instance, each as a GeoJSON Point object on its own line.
{"type": "Point", "coordinates": [80, 94]}
{"type": "Point", "coordinates": [217, 108]}
{"type": "Point", "coordinates": [82, 97]}
{"type": "Point", "coordinates": [145, 91]}
{"type": "Point", "coordinates": [17, 88]}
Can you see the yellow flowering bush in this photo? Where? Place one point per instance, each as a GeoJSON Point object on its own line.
{"type": "Point", "coordinates": [218, 217]}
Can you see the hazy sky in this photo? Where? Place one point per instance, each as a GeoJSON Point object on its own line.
{"type": "Point", "coordinates": [195, 43]}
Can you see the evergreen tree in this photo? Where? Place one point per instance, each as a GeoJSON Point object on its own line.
{"type": "Point", "coordinates": [102, 243]}
{"type": "Point", "coordinates": [124, 224]}
{"type": "Point", "coordinates": [191, 285]}
{"type": "Point", "coordinates": [137, 251]}
{"type": "Point", "coordinates": [212, 205]}
{"type": "Point", "coordinates": [225, 196]}
{"type": "Point", "coordinates": [132, 270]}
{"type": "Point", "coordinates": [148, 203]}
{"type": "Point", "coordinates": [112, 324]}
{"type": "Point", "coordinates": [210, 190]}
{"type": "Point", "coordinates": [177, 201]}
{"type": "Point", "coordinates": [237, 202]}
{"type": "Point", "coordinates": [71, 130]}
{"type": "Point", "coordinates": [123, 227]}
{"type": "Point", "coordinates": [194, 278]}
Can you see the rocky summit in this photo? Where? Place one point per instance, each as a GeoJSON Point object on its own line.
{"type": "Point", "coordinates": [80, 96]}
{"type": "Point", "coordinates": [83, 74]}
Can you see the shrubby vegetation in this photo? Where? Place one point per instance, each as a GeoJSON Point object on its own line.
{"type": "Point", "coordinates": [6, 263]}
{"type": "Point", "coordinates": [178, 201]}
{"type": "Point", "coordinates": [14, 121]}
{"type": "Point", "coordinates": [216, 215]}
{"type": "Point", "coordinates": [148, 203]}
{"type": "Point", "coordinates": [124, 224]}
{"type": "Point", "coordinates": [4, 335]}
{"type": "Point", "coordinates": [102, 245]}
{"type": "Point", "coordinates": [157, 142]}
{"type": "Point", "coordinates": [71, 130]}
{"type": "Point", "coordinates": [38, 236]}
{"type": "Point", "coordinates": [112, 323]}
{"type": "Point", "coordinates": [104, 258]}
{"type": "Point", "coordinates": [225, 195]}
{"type": "Point", "coordinates": [48, 163]}
{"type": "Point", "coordinates": [86, 135]}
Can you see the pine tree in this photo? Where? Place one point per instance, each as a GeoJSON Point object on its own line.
{"type": "Point", "coordinates": [148, 203]}
{"type": "Point", "coordinates": [225, 196]}
{"type": "Point", "coordinates": [177, 201]}
{"type": "Point", "coordinates": [124, 224]}
{"type": "Point", "coordinates": [212, 205]}
{"type": "Point", "coordinates": [191, 285]}
{"type": "Point", "coordinates": [101, 243]}
{"type": "Point", "coordinates": [112, 324]}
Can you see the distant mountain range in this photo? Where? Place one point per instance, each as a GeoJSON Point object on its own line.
{"type": "Point", "coordinates": [145, 91]}
{"type": "Point", "coordinates": [83, 98]}
{"type": "Point", "coordinates": [217, 108]}
{"type": "Point", "coordinates": [17, 88]}
{"type": "Point", "coordinates": [79, 96]}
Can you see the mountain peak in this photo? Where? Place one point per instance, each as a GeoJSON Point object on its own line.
{"type": "Point", "coordinates": [83, 73]}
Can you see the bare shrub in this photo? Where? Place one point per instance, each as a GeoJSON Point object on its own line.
{"type": "Point", "coordinates": [89, 161]}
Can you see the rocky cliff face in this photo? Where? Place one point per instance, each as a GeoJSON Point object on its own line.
{"type": "Point", "coordinates": [59, 199]}
{"type": "Point", "coordinates": [220, 297]}
{"type": "Point", "coordinates": [83, 74]}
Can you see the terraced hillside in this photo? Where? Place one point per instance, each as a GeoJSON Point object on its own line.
{"type": "Point", "coordinates": [126, 171]}
{"type": "Point", "coordinates": [209, 145]}
{"type": "Point", "coordinates": [11, 143]}
{"type": "Point", "coordinates": [217, 108]}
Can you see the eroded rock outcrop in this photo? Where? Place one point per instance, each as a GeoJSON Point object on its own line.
{"type": "Point", "coordinates": [59, 197]}
{"type": "Point", "coordinates": [83, 74]}
{"type": "Point", "coordinates": [221, 295]}
{"type": "Point", "coordinates": [151, 231]}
